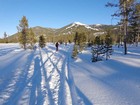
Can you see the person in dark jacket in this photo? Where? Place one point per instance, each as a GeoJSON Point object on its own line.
{"type": "Point", "coordinates": [57, 44]}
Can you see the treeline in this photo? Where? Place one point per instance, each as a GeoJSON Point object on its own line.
{"type": "Point", "coordinates": [126, 32]}
{"type": "Point", "coordinates": [27, 38]}
{"type": "Point", "coordinates": [82, 40]}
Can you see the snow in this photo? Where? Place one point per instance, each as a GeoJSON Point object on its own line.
{"type": "Point", "coordinates": [76, 24]}
{"type": "Point", "coordinates": [47, 77]}
{"type": "Point", "coordinates": [7, 48]}
{"type": "Point", "coordinates": [99, 33]}
{"type": "Point", "coordinates": [112, 82]}
{"type": "Point", "coordinates": [98, 25]}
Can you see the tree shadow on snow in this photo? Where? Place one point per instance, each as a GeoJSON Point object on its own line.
{"type": "Point", "coordinates": [83, 97]}
{"type": "Point", "coordinates": [22, 81]}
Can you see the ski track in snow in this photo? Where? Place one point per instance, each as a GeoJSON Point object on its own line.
{"type": "Point", "coordinates": [47, 77]}
{"type": "Point", "coordinates": [36, 77]}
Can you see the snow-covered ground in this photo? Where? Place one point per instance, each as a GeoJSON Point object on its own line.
{"type": "Point", "coordinates": [47, 77]}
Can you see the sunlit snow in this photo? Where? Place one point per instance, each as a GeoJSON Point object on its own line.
{"type": "Point", "coordinates": [46, 77]}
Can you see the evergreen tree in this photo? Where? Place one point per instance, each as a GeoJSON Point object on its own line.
{"type": "Point", "coordinates": [42, 41]}
{"type": "Point", "coordinates": [76, 38]}
{"type": "Point", "coordinates": [119, 38]}
{"type": "Point", "coordinates": [74, 52]}
{"type": "Point", "coordinates": [5, 37]}
{"type": "Point", "coordinates": [31, 38]}
{"type": "Point", "coordinates": [108, 39]}
{"type": "Point", "coordinates": [81, 40]}
{"type": "Point", "coordinates": [97, 40]}
{"type": "Point", "coordinates": [134, 20]}
{"type": "Point", "coordinates": [124, 11]}
{"type": "Point", "coordinates": [108, 43]}
{"type": "Point", "coordinates": [23, 31]}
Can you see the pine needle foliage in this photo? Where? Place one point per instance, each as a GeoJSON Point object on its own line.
{"type": "Point", "coordinates": [23, 31]}
{"type": "Point", "coordinates": [42, 41]}
{"type": "Point", "coordinates": [75, 51]}
{"type": "Point", "coordinates": [31, 38]}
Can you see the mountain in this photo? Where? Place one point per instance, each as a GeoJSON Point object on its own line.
{"type": "Point", "coordinates": [103, 26]}
{"type": "Point", "coordinates": [70, 29]}
{"type": "Point", "coordinates": [77, 24]}
{"type": "Point", "coordinates": [45, 31]}
{"type": "Point", "coordinates": [37, 30]}
{"type": "Point", "coordinates": [74, 27]}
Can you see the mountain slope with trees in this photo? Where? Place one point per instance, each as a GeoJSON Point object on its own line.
{"type": "Point", "coordinates": [70, 29]}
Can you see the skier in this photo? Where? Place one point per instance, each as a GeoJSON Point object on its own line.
{"type": "Point", "coordinates": [57, 44]}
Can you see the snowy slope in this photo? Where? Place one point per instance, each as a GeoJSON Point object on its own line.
{"type": "Point", "coordinates": [7, 48]}
{"type": "Point", "coordinates": [112, 82]}
{"type": "Point", "coordinates": [47, 77]}
{"type": "Point", "coordinates": [76, 24]}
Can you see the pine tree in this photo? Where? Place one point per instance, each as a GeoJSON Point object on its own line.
{"type": "Point", "coordinates": [31, 38]}
{"type": "Point", "coordinates": [76, 38]}
{"type": "Point", "coordinates": [108, 39]}
{"type": "Point", "coordinates": [81, 40]}
{"type": "Point", "coordinates": [108, 43]}
{"type": "Point", "coordinates": [23, 31]}
{"type": "Point", "coordinates": [42, 41]}
{"type": "Point", "coordinates": [124, 11]}
{"type": "Point", "coordinates": [119, 34]}
{"type": "Point", "coordinates": [5, 37]}
{"type": "Point", "coordinates": [135, 23]}
{"type": "Point", "coordinates": [97, 40]}
{"type": "Point", "coordinates": [125, 5]}
{"type": "Point", "coordinates": [75, 52]}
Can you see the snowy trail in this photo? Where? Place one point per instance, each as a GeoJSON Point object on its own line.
{"type": "Point", "coordinates": [58, 82]}
{"type": "Point", "coordinates": [38, 77]}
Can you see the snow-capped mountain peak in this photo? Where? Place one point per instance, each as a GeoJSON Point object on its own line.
{"type": "Point", "coordinates": [76, 24]}
{"type": "Point", "coordinates": [98, 24]}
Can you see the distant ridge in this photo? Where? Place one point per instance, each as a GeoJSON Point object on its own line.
{"type": "Point", "coordinates": [70, 29]}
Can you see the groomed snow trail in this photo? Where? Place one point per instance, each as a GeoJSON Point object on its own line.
{"type": "Point", "coordinates": [40, 77]}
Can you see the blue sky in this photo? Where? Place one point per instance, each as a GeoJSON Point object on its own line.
{"type": "Point", "coordinates": [53, 13]}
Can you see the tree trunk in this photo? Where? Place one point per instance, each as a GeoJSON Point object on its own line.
{"type": "Point", "coordinates": [137, 40]}
{"type": "Point", "coordinates": [125, 27]}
